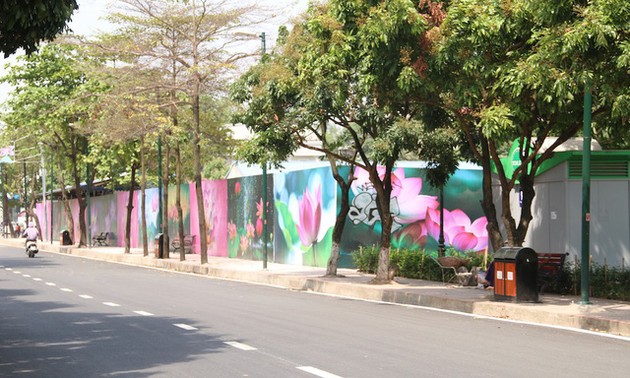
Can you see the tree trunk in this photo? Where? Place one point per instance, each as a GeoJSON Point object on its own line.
{"type": "Point", "coordinates": [340, 221]}
{"type": "Point", "coordinates": [197, 168]}
{"type": "Point", "coordinates": [528, 192]}
{"type": "Point", "coordinates": [487, 202]}
{"type": "Point", "coordinates": [383, 199]}
{"type": "Point", "coordinates": [165, 182]}
{"type": "Point", "coordinates": [143, 200]}
{"type": "Point", "coordinates": [32, 213]}
{"type": "Point", "coordinates": [130, 210]}
{"type": "Point", "coordinates": [82, 206]}
{"type": "Point", "coordinates": [178, 202]}
{"type": "Point", "coordinates": [7, 210]}
{"type": "Point", "coordinates": [64, 198]}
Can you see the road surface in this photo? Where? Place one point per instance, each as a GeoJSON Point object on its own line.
{"type": "Point", "coordinates": [63, 316]}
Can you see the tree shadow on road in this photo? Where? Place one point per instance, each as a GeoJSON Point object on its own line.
{"type": "Point", "coordinates": [44, 338]}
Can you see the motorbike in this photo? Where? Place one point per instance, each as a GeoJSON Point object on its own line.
{"type": "Point", "coordinates": [31, 248]}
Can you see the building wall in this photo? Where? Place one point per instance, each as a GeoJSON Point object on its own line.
{"type": "Point", "coordinates": [557, 223]}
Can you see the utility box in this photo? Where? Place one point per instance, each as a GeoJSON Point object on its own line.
{"type": "Point", "coordinates": [515, 274]}
{"type": "Point", "coordinates": [158, 247]}
{"type": "Point", "coordinates": [64, 238]}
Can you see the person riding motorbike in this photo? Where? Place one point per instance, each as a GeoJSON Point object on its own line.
{"type": "Point", "coordinates": [30, 233]}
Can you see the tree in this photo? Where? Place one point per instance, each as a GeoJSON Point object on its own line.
{"type": "Point", "coordinates": [23, 24]}
{"type": "Point", "coordinates": [52, 99]}
{"type": "Point", "coordinates": [440, 150]}
{"type": "Point", "coordinates": [354, 65]}
{"type": "Point", "coordinates": [516, 71]}
{"type": "Point", "coordinates": [125, 119]}
{"type": "Point", "coordinates": [193, 43]}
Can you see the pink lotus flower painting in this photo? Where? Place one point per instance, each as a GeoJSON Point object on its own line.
{"type": "Point", "coordinates": [459, 232]}
{"type": "Point", "coordinates": [310, 217]}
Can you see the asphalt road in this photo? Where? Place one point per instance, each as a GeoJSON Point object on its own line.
{"type": "Point", "coordinates": [62, 316]}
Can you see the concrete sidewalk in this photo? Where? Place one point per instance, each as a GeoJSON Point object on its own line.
{"type": "Point", "coordinates": [606, 316]}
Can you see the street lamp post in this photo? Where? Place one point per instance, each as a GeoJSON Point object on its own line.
{"type": "Point", "coordinates": [441, 237]}
{"type": "Point", "coordinates": [25, 195]}
{"type": "Point", "coordinates": [160, 190]}
{"type": "Point", "coordinates": [586, 197]}
{"type": "Point", "coordinates": [41, 154]}
{"type": "Point", "coordinates": [264, 182]}
{"type": "Point", "coordinates": [51, 200]}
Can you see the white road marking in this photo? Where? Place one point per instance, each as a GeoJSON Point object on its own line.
{"type": "Point", "coordinates": [186, 327]}
{"type": "Point", "coordinates": [240, 346]}
{"type": "Point", "coordinates": [9, 269]}
{"type": "Point", "coordinates": [37, 279]}
{"type": "Point", "coordinates": [26, 275]}
{"type": "Point", "coordinates": [143, 313]}
{"type": "Point", "coordinates": [17, 272]}
{"type": "Point", "coordinates": [317, 372]}
{"type": "Point", "coordinates": [85, 296]}
{"type": "Point", "coordinates": [51, 284]}
{"type": "Point", "coordinates": [66, 289]}
{"type": "Point", "coordinates": [111, 304]}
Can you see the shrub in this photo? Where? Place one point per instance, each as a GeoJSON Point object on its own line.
{"type": "Point", "coordinates": [408, 263]}
{"type": "Point", "coordinates": [366, 258]}
{"type": "Point", "coordinates": [605, 282]}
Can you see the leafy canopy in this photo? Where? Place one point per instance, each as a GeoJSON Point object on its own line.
{"type": "Point", "coordinates": [24, 23]}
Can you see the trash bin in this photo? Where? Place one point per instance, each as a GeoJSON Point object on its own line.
{"type": "Point", "coordinates": [158, 247]}
{"type": "Point", "coordinates": [64, 238]}
{"type": "Point", "coordinates": [515, 274]}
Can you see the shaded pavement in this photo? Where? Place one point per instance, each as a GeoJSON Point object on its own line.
{"type": "Point", "coordinates": [612, 317]}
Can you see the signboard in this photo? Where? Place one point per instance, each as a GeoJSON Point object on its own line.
{"type": "Point", "coordinates": [7, 154]}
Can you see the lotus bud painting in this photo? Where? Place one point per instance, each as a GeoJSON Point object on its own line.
{"type": "Point", "coordinates": [310, 219]}
{"type": "Point", "coordinates": [305, 204]}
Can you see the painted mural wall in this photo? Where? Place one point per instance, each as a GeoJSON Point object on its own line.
{"type": "Point", "coordinates": [171, 209]}
{"type": "Point", "coordinates": [245, 213]}
{"type": "Point", "coordinates": [302, 206]}
{"type": "Point", "coordinates": [305, 203]}
{"type": "Point", "coordinates": [215, 213]}
{"type": "Point", "coordinates": [415, 207]}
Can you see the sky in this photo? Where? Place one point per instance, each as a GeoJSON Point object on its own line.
{"type": "Point", "coordinates": [88, 21]}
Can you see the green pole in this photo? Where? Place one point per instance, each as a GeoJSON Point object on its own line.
{"type": "Point", "coordinates": [88, 187]}
{"type": "Point", "coordinates": [51, 200]}
{"type": "Point", "coordinates": [586, 195]}
{"type": "Point", "coordinates": [159, 215]}
{"type": "Point", "coordinates": [264, 183]}
{"type": "Point", "coordinates": [25, 195]}
{"type": "Point", "coordinates": [441, 237]}
{"type": "Point", "coordinates": [4, 202]}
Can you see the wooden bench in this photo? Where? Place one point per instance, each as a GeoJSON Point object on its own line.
{"type": "Point", "coordinates": [188, 243]}
{"type": "Point", "coordinates": [101, 239]}
{"type": "Point", "coordinates": [448, 267]}
{"type": "Point", "coordinates": [550, 267]}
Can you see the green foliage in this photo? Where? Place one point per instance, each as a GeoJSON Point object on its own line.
{"type": "Point", "coordinates": [410, 263]}
{"type": "Point", "coordinates": [214, 168]}
{"type": "Point", "coordinates": [366, 258]}
{"type": "Point", "coordinates": [518, 69]}
{"type": "Point", "coordinates": [496, 122]}
{"type": "Point", "coordinates": [23, 24]}
{"type": "Point", "coordinates": [439, 148]}
{"type": "Point", "coordinates": [605, 282]}
{"type": "Point", "coordinates": [52, 101]}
